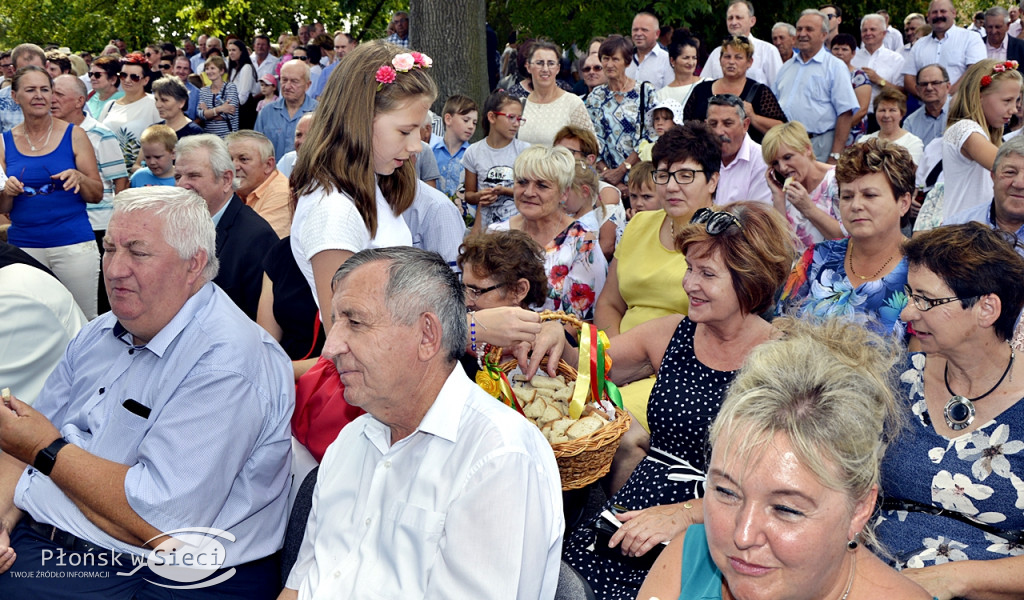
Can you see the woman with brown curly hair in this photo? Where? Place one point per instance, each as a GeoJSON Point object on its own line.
{"type": "Point", "coordinates": [861, 276]}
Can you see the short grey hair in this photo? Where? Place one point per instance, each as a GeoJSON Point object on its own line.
{"type": "Point", "coordinates": [220, 158]}
{"type": "Point", "coordinates": [945, 73]}
{"type": "Point", "coordinates": [1014, 145]}
{"type": "Point", "coordinates": [748, 3]}
{"type": "Point", "coordinates": [188, 227]}
{"type": "Point", "coordinates": [263, 143]}
{"type": "Point", "coordinates": [418, 282]}
{"type": "Point", "coordinates": [817, 13]}
{"type": "Point", "coordinates": [998, 11]}
{"type": "Point", "coordinates": [790, 29]}
{"type": "Point", "coordinates": [546, 164]}
{"type": "Point", "coordinates": [727, 100]}
{"type": "Point", "coordinates": [873, 17]}
{"type": "Point", "coordinates": [76, 84]}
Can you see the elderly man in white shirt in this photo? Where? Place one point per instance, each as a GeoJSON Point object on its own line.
{"type": "Point", "coordinates": [743, 166]}
{"type": "Point", "coordinates": [953, 47]}
{"type": "Point", "coordinates": [650, 62]}
{"type": "Point", "coordinates": [739, 18]}
{"type": "Point", "coordinates": [882, 66]}
{"type": "Point", "coordinates": [440, 491]}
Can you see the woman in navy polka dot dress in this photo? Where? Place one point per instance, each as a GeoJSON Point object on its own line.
{"type": "Point", "coordinates": [736, 261]}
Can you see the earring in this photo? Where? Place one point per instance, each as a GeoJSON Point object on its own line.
{"type": "Point", "coordinates": [852, 544]}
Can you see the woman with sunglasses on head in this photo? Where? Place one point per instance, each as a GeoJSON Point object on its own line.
{"type": "Point", "coordinates": [51, 174]}
{"type": "Point", "coordinates": [736, 258]}
{"type": "Point", "coordinates": [548, 107]}
{"type": "Point", "coordinates": [758, 100]}
{"type": "Point", "coordinates": [218, 102]}
{"type": "Point", "coordinates": [951, 514]}
{"type": "Point", "coordinates": [131, 114]}
{"type": "Point", "coordinates": [862, 276]}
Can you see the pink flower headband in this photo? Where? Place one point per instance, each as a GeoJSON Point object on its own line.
{"type": "Point", "coordinates": [402, 63]}
{"type": "Point", "coordinates": [998, 68]}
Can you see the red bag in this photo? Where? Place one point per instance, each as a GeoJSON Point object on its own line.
{"type": "Point", "coordinates": [320, 408]}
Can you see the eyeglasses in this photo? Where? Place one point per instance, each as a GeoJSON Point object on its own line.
{"type": "Point", "coordinates": [594, 68]}
{"type": "Point", "coordinates": [682, 176]}
{"type": "Point", "coordinates": [49, 188]}
{"type": "Point", "coordinates": [165, 66]}
{"type": "Point", "coordinates": [96, 74]}
{"type": "Point", "coordinates": [150, 53]}
{"type": "Point", "coordinates": [830, 17]}
{"type": "Point", "coordinates": [133, 76]}
{"type": "Point", "coordinates": [550, 64]}
{"type": "Point", "coordinates": [7, 66]}
{"type": "Point", "coordinates": [925, 304]}
{"type": "Point", "coordinates": [924, 84]}
{"type": "Point", "coordinates": [513, 118]}
{"type": "Point", "coordinates": [474, 293]}
{"type": "Point", "coordinates": [302, 58]}
{"type": "Point", "coordinates": [715, 222]}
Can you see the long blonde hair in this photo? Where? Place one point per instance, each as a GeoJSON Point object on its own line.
{"type": "Point", "coordinates": [337, 153]}
{"type": "Point", "coordinates": [967, 102]}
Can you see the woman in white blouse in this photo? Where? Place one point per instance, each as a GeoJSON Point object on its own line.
{"type": "Point", "coordinates": [549, 107]}
{"type": "Point", "coordinates": [890, 108]}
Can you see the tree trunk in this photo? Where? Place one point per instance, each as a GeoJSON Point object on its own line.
{"type": "Point", "coordinates": [453, 34]}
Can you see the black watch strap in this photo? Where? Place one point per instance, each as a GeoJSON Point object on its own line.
{"type": "Point", "coordinates": [47, 457]}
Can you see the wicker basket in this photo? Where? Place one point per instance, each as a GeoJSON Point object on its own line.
{"type": "Point", "coordinates": [584, 460]}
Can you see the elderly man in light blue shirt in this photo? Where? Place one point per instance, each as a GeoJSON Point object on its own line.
{"type": "Point", "coordinates": [278, 119]}
{"type": "Point", "coordinates": [929, 121]}
{"type": "Point", "coordinates": [1006, 210]}
{"type": "Point", "coordinates": [814, 87]}
{"type": "Point", "coordinates": [168, 418]}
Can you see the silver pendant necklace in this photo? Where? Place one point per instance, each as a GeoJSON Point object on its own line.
{"type": "Point", "coordinates": [45, 142]}
{"type": "Point", "coordinates": [959, 411]}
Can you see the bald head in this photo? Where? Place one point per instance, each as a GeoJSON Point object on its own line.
{"type": "Point", "coordinates": [294, 82]}
{"type": "Point", "coordinates": [68, 99]}
{"type": "Point", "coordinates": [645, 32]}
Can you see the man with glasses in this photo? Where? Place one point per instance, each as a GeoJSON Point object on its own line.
{"type": "Point", "coordinates": [814, 87]}
{"type": "Point", "coordinates": [6, 69]}
{"type": "Point", "coordinates": [739, 19]}
{"type": "Point", "coordinates": [10, 112]}
{"type": "Point", "coordinates": [399, 29]}
{"type": "Point", "coordinates": [743, 167]}
{"type": "Point", "coordinates": [952, 47]}
{"type": "Point", "coordinates": [1006, 210]}
{"type": "Point", "coordinates": [834, 15]}
{"type": "Point", "coordinates": [650, 62]}
{"type": "Point", "coordinates": [929, 121]}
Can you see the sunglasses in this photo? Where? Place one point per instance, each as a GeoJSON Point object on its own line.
{"type": "Point", "coordinates": [596, 69]}
{"type": "Point", "coordinates": [165, 66]}
{"type": "Point", "coordinates": [49, 188]}
{"type": "Point", "coordinates": [96, 74]}
{"type": "Point", "coordinates": [715, 222]}
{"type": "Point", "coordinates": [133, 76]}
{"type": "Point", "coordinates": [302, 58]}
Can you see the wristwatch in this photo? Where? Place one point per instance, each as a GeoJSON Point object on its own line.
{"type": "Point", "coordinates": [881, 83]}
{"type": "Point", "coordinates": [628, 166]}
{"type": "Point", "coordinates": [47, 457]}
{"type": "Point", "coordinates": [834, 155]}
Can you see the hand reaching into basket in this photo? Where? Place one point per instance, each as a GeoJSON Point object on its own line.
{"type": "Point", "coordinates": [549, 342]}
{"type": "Point", "coordinates": [643, 529]}
{"type": "Point", "coordinates": [506, 326]}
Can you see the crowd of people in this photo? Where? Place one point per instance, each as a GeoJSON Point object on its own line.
{"type": "Point", "coordinates": [251, 281]}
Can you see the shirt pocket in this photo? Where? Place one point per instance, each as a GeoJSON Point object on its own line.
{"type": "Point", "coordinates": [415, 536]}
{"type": "Point", "coordinates": [119, 436]}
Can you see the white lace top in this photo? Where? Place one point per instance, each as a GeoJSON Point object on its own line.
{"type": "Point", "coordinates": [544, 120]}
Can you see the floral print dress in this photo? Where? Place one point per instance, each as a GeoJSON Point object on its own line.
{"type": "Point", "coordinates": [819, 286]}
{"type": "Point", "coordinates": [977, 474]}
{"type": "Point", "coordinates": [576, 270]}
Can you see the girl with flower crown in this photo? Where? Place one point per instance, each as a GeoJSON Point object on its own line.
{"type": "Point", "coordinates": [985, 103]}
{"type": "Point", "coordinates": [354, 176]}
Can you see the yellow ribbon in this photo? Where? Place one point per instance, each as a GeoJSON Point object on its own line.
{"type": "Point", "coordinates": [579, 395]}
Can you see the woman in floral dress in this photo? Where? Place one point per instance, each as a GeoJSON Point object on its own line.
{"type": "Point", "coordinates": [861, 276]}
{"type": "Point", "coordinates": [953, 497]}
{"type": "Point", "coordinates": [573, 260]}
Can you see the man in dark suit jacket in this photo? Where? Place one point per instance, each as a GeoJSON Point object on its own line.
{"type": "Point", "coordinates": [997, 23]}
{"type": "Point", "coordinates": [204, 166]}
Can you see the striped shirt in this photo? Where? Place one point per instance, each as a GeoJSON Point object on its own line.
{"type": "Point", "coordinates": [111, 165]}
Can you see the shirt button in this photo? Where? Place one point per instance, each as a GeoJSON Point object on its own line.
{"type": "Point", "coordinates": [337, 574]}
{"type": "Point", "coordinates": [131, 351]}
{"type": "Point", "coordinates": [387, 464]}
{"type": "Point", "coordinates": [368, 521]}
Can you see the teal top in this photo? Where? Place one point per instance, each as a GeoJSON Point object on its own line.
{"type": "Point", "coordinates": [701, 579]}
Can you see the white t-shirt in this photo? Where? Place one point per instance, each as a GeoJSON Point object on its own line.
{"type": "Point", "coordinates": [493, 168]}
{"type": "Point", "coordinates": [330, 221]}
{"type": "Point", "coordinates": [967, 182]}
{"type": "Point", "coordinates": [128, 121]}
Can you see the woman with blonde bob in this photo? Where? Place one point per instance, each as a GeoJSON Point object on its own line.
{"type": "Point", "coordinates": [354, 177]}
{"type": "Point", "coordinates": [804, 189]}
{"type": "Point", "coordinates": [793, 476]}
{"type": "Point", "coordinates": [575, 266]}
{"type": "Point", "coordinates": [985, 103]}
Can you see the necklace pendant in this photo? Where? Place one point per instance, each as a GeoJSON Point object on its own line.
{"type": "Point", "coordinates": [958, 412]}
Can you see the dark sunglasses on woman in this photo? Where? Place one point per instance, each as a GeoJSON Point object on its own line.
{"type": "Point", "coordinates": [133, 76]}
{"type": "Point", "coordinates": [715, 222]}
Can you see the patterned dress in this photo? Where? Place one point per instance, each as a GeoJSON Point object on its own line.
{"type": "Point", "coordinates": [617, 120]}
{"type": "Point", "coordinates": [977, 474]}
{"type": "Point", "coordinates": [685, 401]}
{"type": "Point", "coordinates": [819, 286]}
